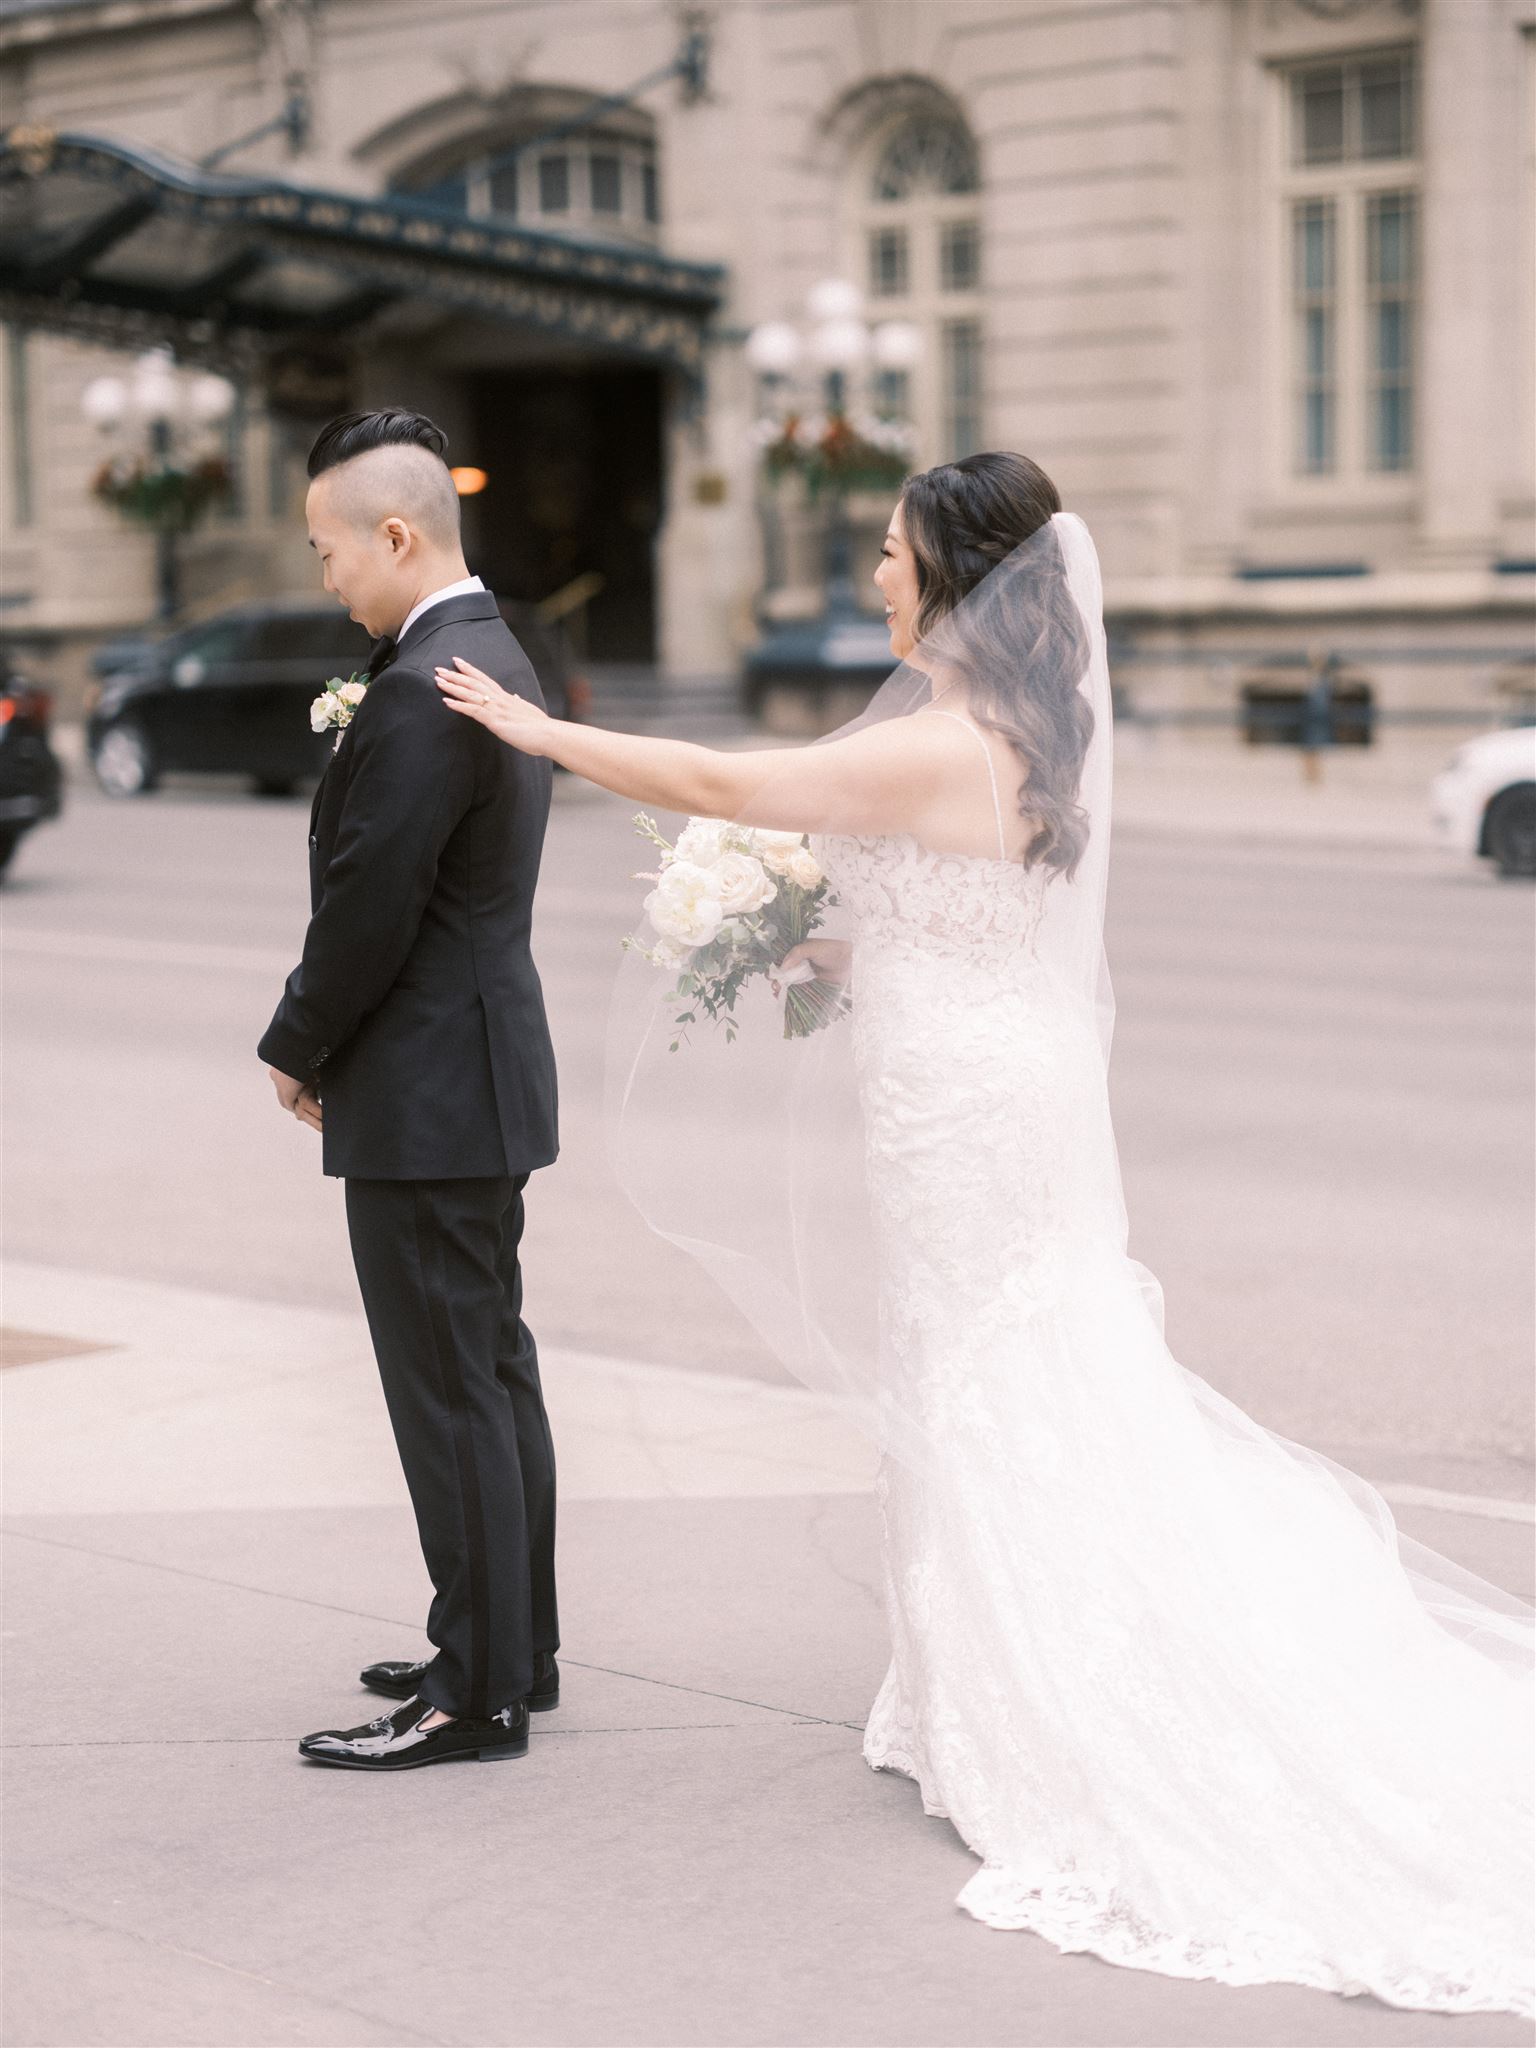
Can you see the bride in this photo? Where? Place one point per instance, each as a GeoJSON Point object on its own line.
{"type": "Point", "coordinates": [1181, 1684]}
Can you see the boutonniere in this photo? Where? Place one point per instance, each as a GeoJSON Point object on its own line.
{"type": "Point", "coordinates": [336, 704]}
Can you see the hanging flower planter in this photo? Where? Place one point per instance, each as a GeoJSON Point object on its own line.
{"type": "Point", "coordinates": [165, 498]}
{"type": "Point", "coordinates": [833, 452]}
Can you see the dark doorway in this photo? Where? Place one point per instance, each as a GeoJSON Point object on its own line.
{"type": "Point", "coordinates": [573, 461]}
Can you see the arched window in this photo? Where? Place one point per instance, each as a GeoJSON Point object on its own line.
{"type": "Point", "coordinates": [598, 185]}
{"type": "Point", "coordinates": [917, 225]}
{"type": "Point", "coordinates": [927, 153]}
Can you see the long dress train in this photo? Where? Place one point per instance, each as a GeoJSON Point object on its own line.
{"type": "Point", "coordinates": [1179, 1683]}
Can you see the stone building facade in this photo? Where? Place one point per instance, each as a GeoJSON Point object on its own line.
{"type": "Point", "coordinates": [1253, 279]}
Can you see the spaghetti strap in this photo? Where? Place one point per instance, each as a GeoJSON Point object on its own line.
{"type": "Point", "coordinates": [997, 808]}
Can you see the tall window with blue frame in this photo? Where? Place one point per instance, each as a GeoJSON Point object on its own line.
{"type": "Point", "coordinates": [917, 230]}
{"type": "Point", "coordinates": [1314, 286]}
{"type": "Point", "coordinates": [1353, 265]}
{"type": "Point", "coordinates": [1389, 270]}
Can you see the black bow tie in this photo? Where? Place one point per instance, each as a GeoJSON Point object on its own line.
{"type": "Point", "coordinates": [381, 654]}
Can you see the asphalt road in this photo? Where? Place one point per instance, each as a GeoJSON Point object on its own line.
{"type": "Point", "coordinates": [1322, 1081]}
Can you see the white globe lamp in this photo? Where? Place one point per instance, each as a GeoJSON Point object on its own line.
{"type": "Point", "coordinates": [840, 344]}
{"type": "Point", "coordinates": [897, 344]}
{"type": "Point", "coordinates": [210, 400]}
{"type": "Point", "coordinates": [773, 348]}
{"type": "Point", "coordinates": [154, 386]}
{"type": "Point", "coordinates": [104, 401]}
{"type": "Point", "coordinates": [834, 299]}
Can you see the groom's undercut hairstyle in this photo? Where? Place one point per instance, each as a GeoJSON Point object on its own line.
{"type": "Point", "coordinates": [390, 464]}
{"type": "Point", "coordinates": [359, 433]}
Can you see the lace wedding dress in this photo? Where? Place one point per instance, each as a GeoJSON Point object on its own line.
{"type": "Point", "coordinates": [1181, 1685]}
{"type": "Point", "coordinates": [1191, 1696]}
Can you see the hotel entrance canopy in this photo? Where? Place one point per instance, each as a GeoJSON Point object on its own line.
{"type": "Point", "coordinates": [129, 247]}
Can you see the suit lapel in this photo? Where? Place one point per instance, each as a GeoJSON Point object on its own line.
{"type": "Point", "coordinates": [380, 655]}
{"type": "Point", "coordinates": [314, 809]}
{"type": "Point", "coordinates": [473, 607]}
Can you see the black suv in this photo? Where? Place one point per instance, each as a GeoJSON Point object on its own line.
{"type": "Point", "coordinates": [30, 781]}
{"type": "Point", "coordinates": [232, 695]}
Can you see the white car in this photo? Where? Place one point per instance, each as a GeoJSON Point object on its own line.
{"type": "Point", "coordinates": [1484, 799]}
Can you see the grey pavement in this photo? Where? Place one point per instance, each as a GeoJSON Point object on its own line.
{"type": "Point", "coordinates": [1323, 1096]}
{"type": "Point", "coordinates": [691, 1852]}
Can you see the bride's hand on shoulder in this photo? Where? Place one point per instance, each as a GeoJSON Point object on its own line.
{"type": "Point", "coordinates": [512, 718]}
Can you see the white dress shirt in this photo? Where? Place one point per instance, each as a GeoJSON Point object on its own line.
{"type": "Point", "coordinates": [459, 589]}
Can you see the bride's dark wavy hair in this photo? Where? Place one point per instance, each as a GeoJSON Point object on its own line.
{"type": "Point", "coordinates": [1023, 659]}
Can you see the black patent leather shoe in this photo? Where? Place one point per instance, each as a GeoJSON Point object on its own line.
{"type": "Point", "coordinates": [399, 1681]}
{"type": "Point", "coordinates": [397, 1741]}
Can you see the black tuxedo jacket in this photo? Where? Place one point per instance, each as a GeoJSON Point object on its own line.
{"type": "Point", "coordinates": [416, 1011]}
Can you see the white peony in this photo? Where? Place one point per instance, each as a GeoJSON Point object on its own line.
{"type": "Point", "coordinates": [741, 884]}
{"type": "Point", "coordinates": [804, 870]}
{"type": "Point", "coordinates": [776, 849]}
{"type": "Point", "coordinates": [684, 904]}
{"type": "Point", "coordinates": [702, 841]}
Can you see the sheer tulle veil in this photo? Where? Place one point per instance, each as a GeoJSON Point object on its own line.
{"type": "Point", "coordinates": [748, 1152]}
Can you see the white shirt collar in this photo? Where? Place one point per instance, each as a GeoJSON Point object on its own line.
{"type": "Point", "coordinates": [459, 589]}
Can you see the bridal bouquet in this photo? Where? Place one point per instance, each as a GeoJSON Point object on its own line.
{"type": "Point", "coordinates": [729, 903]}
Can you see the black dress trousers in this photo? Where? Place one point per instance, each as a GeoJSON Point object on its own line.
{"type": "Point", "coordinates": [437, 1261]}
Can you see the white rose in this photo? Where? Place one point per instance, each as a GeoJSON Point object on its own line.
{"type": "Point", "coordinates": [702, 841]}
{"type": "Point", "coordinates": [320, 712]}
{"type": "Point", "coordinates": [804, 870]}
{"type": "Point", "coordinates": [741, 884]}
{"type": "Point", "coordinates": [684, 904]}
{"type": "Point", "coordinates": [776, 849]}
{"type": "Point", "coordinates": [352, 693]}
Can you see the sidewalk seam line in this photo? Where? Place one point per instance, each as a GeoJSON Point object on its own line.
{"type": "Point", "coordinates": [271, 1741]}
{"type": "Point", "coordinates": [392, 1621]}
{"type": "Point", "coordinates": [73, 1912]}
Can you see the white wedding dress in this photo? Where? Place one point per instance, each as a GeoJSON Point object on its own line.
{"type": "Point", "coordinates": [1179, 1683]}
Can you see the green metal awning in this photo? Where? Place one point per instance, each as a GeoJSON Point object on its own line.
{"type": "Point", "coordinates": [130, 247]}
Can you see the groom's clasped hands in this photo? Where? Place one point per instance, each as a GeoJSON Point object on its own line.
{"type": "Point", "coordinates": [297, 1097]}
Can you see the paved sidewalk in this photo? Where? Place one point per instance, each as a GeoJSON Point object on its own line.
{"type": "Point", "coordinates": [209, 1535]}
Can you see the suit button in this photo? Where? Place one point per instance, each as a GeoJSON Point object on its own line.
{"type": "Point", "coordinates": [312, 840]}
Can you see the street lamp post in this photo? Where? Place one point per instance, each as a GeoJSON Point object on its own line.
{"type": "Point", "coordinates": [836, 454]}
{"type": "Point", "coordinates": [773, 350]}
{"type": "Point", "coordinates": [840, 342]}
{"type": "Point", "coordinates": [169, 481]}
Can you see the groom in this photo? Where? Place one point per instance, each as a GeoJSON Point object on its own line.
{"type": "Point", "coordinates": [416, 1019]}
